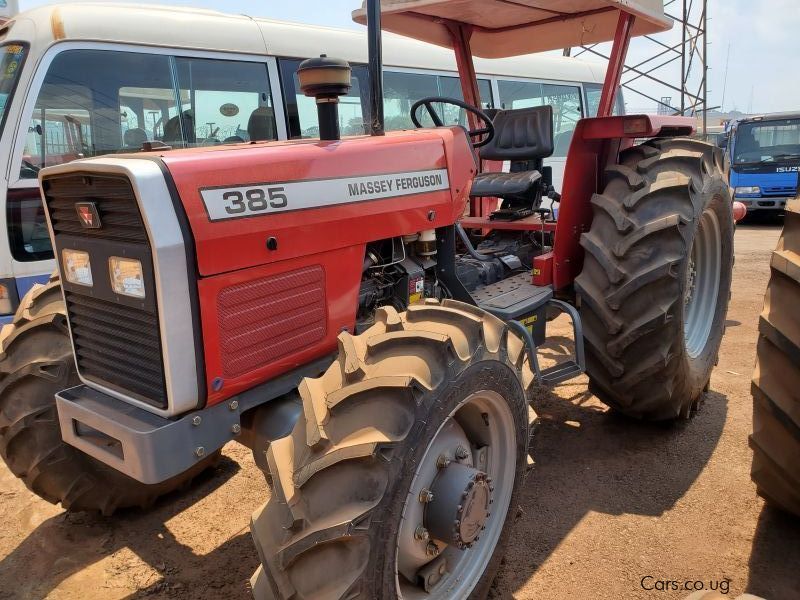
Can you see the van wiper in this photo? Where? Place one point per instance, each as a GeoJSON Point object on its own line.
{"type": "Point", "coordinates": [775, 158]}
{"type": "Point", "coordinates": [32, 168]}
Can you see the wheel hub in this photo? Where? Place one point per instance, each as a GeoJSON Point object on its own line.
{"type": "Point", "coordinates": [460, 506]}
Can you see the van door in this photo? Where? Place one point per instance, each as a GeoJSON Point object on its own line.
{"type": "Point", "coordinates": [99, 100]}
{"type": "Point", "coordinates": [74, 111]}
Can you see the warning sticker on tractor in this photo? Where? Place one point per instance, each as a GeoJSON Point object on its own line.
{"type": "Point", "coordinates": [253, 200]}
{"type": "Point", "coordinates": [529, 322]}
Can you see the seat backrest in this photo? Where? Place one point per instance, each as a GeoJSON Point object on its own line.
{"type": "Point", "coordinates": [134, 138]}
{"type": "Point", "coordinates": [261, 125]}
{"type": "Point", "coordinates": [521, 134]}
{"type": "Point", "coordinates": [172, 128]}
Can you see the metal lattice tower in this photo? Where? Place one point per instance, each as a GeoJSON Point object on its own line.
{"type": "Point", "coordinates": [671, 68]}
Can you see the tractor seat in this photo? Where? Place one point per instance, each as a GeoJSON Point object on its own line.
{"type": "Point", "coordinates": [521, 135]}
{"type": "Point", "coordinates": [505, 185]}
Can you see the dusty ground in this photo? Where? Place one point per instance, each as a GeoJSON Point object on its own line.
{"type": "Point", "coordinates": [608, 503]}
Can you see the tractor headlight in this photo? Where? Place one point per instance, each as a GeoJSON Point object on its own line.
{"type": "Point", "coordinates": [127, 277]}
{"type": "Point", "coordinates": [77, 267]}
{"type": "Point", "coordinates": [750, 190]}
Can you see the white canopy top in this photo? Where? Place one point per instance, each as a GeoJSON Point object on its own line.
{"type": "Point", "coordinates": [504, 28]}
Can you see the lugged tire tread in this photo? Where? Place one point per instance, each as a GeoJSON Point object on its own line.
{"type": "Point", "coordinates": [308, 517]}
{"type": "Point", "coordinates": [633, 260]}
{"type": "Point", "coordinates": [775, 440]}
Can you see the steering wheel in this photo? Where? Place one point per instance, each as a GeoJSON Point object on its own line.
{"type": "Point", "coordinates": [487, 131]}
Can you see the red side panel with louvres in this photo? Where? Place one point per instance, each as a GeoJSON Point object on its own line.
{"type": "Point", "coordinates": [263, 320]}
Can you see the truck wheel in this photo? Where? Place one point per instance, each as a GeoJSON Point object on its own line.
{"type": "Point", "coordinates": [656, 278]}
{"type": "Point", "coordinates": [776, 408]}
{"type": "Point", "coordinates": [35, 363]}
{"type": "Point", "coordinates": [401, 477]}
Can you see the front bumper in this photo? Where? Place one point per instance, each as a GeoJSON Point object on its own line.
{"type": "Point", "coordinates": [138, 443]}
{"type": "Point", "coordinates": [152, 449]}
{"type": "Point", "coordinates": [763, 203]}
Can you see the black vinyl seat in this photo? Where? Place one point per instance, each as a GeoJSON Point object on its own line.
{"type": "Point", "coordinates": [505, 185]}
{"type": "Point", "coordinates": [524, 137]}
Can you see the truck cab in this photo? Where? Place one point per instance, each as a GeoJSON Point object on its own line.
{"type": "Point", "coordinates": [765, 161]}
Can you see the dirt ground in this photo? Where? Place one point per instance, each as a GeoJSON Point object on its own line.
{"type": "Point", "coordinates": [610, 508]}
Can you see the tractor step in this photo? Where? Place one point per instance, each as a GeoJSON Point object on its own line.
{"type": "Point", "coordinates": [561, 372]}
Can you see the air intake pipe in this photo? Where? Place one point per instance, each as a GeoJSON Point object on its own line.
{"type": "Point", "coordinates": [325, 79]}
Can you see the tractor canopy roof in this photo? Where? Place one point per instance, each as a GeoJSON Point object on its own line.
{"type": "Point", "coordinates": [502, 28]}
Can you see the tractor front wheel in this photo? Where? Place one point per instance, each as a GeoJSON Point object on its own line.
{"type": "Point", "coordinates": [400, 480]}
{"type": "Point", "coordinates": [656, 279]}
{"type": "Point", "coordinates": [37, 362]}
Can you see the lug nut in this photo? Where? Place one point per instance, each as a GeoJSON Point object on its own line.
{"type": "Point", "coordinates": [234, 404]}
{"type": "Point", "coordinates": [200, 452]}
{"type": "Point", "coordinates": [236, 429]}
{"type": "Point", "coordinates": [420, 533]}
{"type": "Point", "coordinates": [432, 549]}
{"type": "Point", "coordinates": [462, 453]}
{"type": "Point", "coordinates": [442, 462]}
{"type": "Point", "coordinates": [196, 420]}
{"type": "Point", "coordinates": [426, 496]}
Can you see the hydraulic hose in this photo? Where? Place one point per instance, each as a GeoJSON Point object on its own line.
{"type": "Point", "coordinates": [470, 248]}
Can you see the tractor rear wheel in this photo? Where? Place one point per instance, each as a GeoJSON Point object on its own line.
{"type": "Point", "coordinates": [776, 407]}
{"type": "Point", "coordinates": [401, 478]}
{"type": "Point", "coordinates": [36, 362]}
{"type": "Point", "coordinates": [656, 278]}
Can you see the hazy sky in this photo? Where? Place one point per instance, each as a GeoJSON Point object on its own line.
{"type": "Point", "coordinates": [762, 35]}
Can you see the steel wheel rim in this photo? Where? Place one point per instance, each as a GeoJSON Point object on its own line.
{"type": "Point", "coordinates": [464, 567]}
{"type": "Point", "coordinates": [702, 284]}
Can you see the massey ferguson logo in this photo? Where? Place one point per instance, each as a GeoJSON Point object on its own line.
{"type": "Point", "coordinates": [87, 213]}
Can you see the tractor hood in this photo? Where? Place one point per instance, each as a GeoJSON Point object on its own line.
{"type": "Point", "coordinates": [501, 28]}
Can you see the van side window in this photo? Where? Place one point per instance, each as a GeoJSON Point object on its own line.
{"type": "Point", "coordinates": [301, 111]}
{"type": "Point", "coordinates": [565, 100]}
{"type": "Point", "coordinates": [593, 93]}
{"type": "Point", "coordinates": [402, 90]}
{"type": "Point", "coordinates": [79, 110]}
{"type": "Point", "coordinates": [222, 102]}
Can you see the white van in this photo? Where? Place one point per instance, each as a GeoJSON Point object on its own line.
{"type": "Point", "coordinates": [84, 79]}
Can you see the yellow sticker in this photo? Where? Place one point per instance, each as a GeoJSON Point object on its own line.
{"type": "Point", "coordinates": [537, 271]}
{"type": "Point", "coordinates": [528, 322]}
{"type": "Point", "coordinates": [413, 298]}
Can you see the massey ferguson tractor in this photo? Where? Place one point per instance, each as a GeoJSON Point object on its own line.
{"type": "Point", "coordinates": [365, 313]}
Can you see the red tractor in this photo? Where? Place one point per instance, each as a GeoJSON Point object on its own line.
{"type": "Point", "coordinates": [328, 303]}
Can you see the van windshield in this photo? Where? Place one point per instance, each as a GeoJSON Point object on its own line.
{"type": "Point", "coordinates": [767, 142]}
{"type": "Point", "coordinates": [95, 102]}
{"type": "Point", "coordinates": [10, 68]}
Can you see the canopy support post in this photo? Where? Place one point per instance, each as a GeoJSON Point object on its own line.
{"type": "Point", "coordinates": [616, 64]}
{"type": "Point", "coordinates": [461, 35]}
{"type": "Point", "coordinates": [374, 35]}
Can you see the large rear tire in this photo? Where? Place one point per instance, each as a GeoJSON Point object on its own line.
{"type": "Point", "coordinates": [432, 399]}
{"type": "Point", "coordinates": [656, 278]}
{"type": "Point", "coordinates": [776, 405]}
{"type": "Point", "coordinates": [36, 362]}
